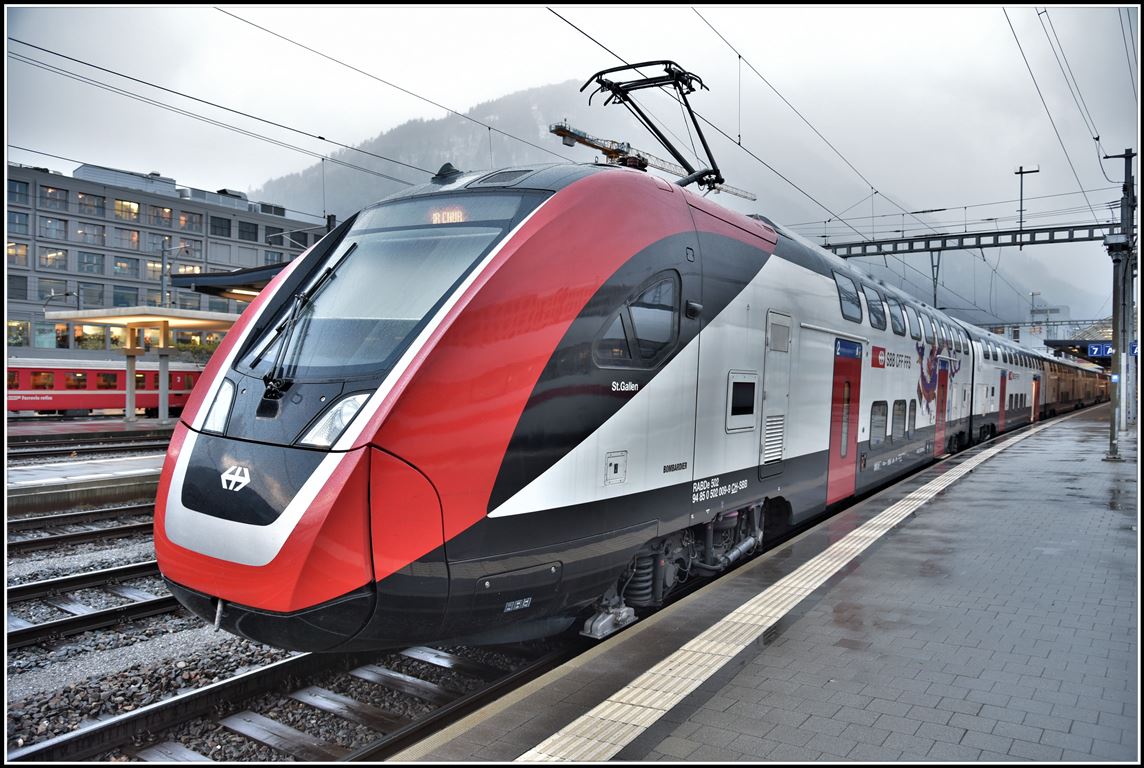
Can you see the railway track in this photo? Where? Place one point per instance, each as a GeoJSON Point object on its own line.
{"type": "Point", "coordinates": [294, 678]}
{"type": "Point", "coordinates": [82, 446]}
{"type": "Point", "coordinates": [69, 519]}
{"type": "Point", "coordinates": [81, 616]}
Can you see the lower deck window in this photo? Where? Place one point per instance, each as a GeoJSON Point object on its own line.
{"type": "Point", "coordinates": [878, 412]}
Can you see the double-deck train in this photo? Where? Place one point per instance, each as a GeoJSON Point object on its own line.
{"type": "Point", "coordinates": [498, 404]}
{"type": "Point", "coordinates": [80, 387]}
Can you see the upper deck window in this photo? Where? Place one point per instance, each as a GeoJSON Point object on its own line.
{"type": "Point", "coordinates": [896, 321]}
{"type": "Point", "coordinates": [848, 298]}
{"type": "Point", "coordinates": [874, 304]}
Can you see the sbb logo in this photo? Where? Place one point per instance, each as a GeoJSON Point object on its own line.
{"type": "Point", "coordinates": [878, 359]}
{"type": "Point", "coordinates": [236, 478]}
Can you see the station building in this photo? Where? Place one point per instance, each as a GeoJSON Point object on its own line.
{"type": "Point", "coordinates": [97, 239]}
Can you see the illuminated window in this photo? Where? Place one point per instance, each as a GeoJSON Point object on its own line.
{"type": "Point", "coordinates": [19, 332]}
{"type": "Point", "coordinates": [54, 197]}
{"type": "Point", "coordinates": [125, 266]}
{"type": "Point", "coordinates": [13, 379]}
{"type": "Point", "coordinates": [75, 380]}
{"type": "Point", "coordinates": [159, 216]}
{"type": "Point", "coordinates": [90, 337]}
{"type": "Point", "coordinates": [53, 258]}
{"type": "Point", "coordinates": [17, 254]}
{"type": "Point", "coordinates": [154, 270]}
{"type": "Point", "coordinates": [125, 210]}
{"type": "Point", "coordinates": [190, 269]}
{"type": "Point", "coordinates": [106, 380]}
{"type": "Point", "coordinates": [43, 380]}
{"type": "Point", "coordinates": [127, 238]}
{"type": "Point", "coordinates": [190, 222]}
{"type": "Point", "coordinates": [91, 205]}
{"type": "Point", "coordinates": [17, 223]}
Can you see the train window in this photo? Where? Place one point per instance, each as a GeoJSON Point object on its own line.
{"type": "Point", "coordinates": [741, 401]}
{"type": "Point", "coordinates": [106, 380]}
{"type": "Point", "coordinates": [877, 310]}
{"type": "Point", "coordinates": [912, 424]}
{"type": "Point", "coordinates": [654, 319]}
{"type": "Point", "coordinates": [43, 380]}
{"type": "Point", "coordinates": [613, 345]}
{"type": "Point", "coordinates": [915, 327]}
{"type": "Point", "coordinates": [878, 412]}
{"type": "Point", "coordinates": [898, 428]}
{"type": "Point", "coordinates": [188, 381]}
{"type": "Point", "coordinates": [140, 381]}
{"type": "Point", "coordinates": [927, 328]}
{"type": "Point", "coordinates": [845, 417]}
{"type": "Point", "coordinates": [75, 380]}
{"type": "Point", "coordinates": [13, 379]}
{"type": "Point", "coordinates": [848, 298]}
{"type": "Point", "coordinates": [899, 325]}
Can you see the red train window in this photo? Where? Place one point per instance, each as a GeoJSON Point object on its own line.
{"type": "Point", "coordinates": [140, 381]}
{"type": "Point", "coordinates": [75, 380]}
{"type": "Point", "coordinates": [106, 380]}
{"type": "Point", "coordinates": [43, 380]}
{"type": "Point", "coordinates": [13, 379]}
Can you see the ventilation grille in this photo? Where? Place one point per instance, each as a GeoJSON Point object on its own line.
{"type": "Point", "coordinates": [773, 438]}
{"type": "Point", "coordinates": [503, 177]}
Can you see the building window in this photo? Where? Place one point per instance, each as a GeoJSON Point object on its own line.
{"type": "Point", "coordinates": [17, 223]}
{"type": "Point", "coordinates": [153, 297]}
{"type": "Point", "coordinates": [273, 257]}
{"type": "Point", "coordinates": [125, 210]}
{"type": "Point", "coordinates": [91, 263]}
{"type": "Point", "coordinates": [848, 298]}
{"type": "Point", "coordinates": [54, 197]}
{"type": "Point", "coordinates": [89, 337]}
{"type": "Point", "coordinates": [96, 234]}
{"type": "Point", "coordinates": [53, 258]}
{"type": "Point", "coordinates": [189, 300]}
{"type": "Point", "coordinates": [49, 286]}
{"type": "Point", "coordinates": [220, 227]}
{"type": "Point", "coordinates": [127, 238]}
{"type": "Point", "coordinates": [125, 266]}
{"type": "Point", "coordinates": [50, 335]}
{"type": "Point", "coordinates": [215, 304]}
{"type": "Point", "coordinates": [57, 229]}
{"type": "Point", "coordinates": [91, 295]}
{"type": "Point", "coordinates": [159, 216]}
{"type": "Point", "coordinates": [248, 231]}
{"type": "Point", "coordinates": [122, 296]}
{"type": "Point", "coordinates": [17, 254]}
{"type": "Point", "coordinates": [273, 236]}
{"type": "Point", "coordinates": [19, 334]}
{"type": "Point", "coordinates": [157, 243]}
{"type": "Point", "coordinates": [18, 287]}
{"type": "Point", "coordinates": [190, 269]}
{"type": "Point", "coordinates": [17, 192]}
{"type": "Point", "coordinates": [192, 248]}
{"type": "Point", "coordinates": [154, 270]}
{"type": "Point", "coordinates": [190, 222]}
{"type": "Point", "coordinates": [91, 205]}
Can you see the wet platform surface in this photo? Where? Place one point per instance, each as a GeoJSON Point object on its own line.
{"type": "Point", "coordinates": [84, 470]}
{"type": "Point", "coordinates": [995, 621]}
{"type": "Point", "coordinates": [20, 430]}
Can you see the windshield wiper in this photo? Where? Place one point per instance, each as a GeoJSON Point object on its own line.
{"type": "Point", "coordinates": [275, 378]}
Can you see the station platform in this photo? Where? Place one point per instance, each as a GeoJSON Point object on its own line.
{"type": "Point", "coordinates": [59, 485]}
{"type": "Point", "coordinates": [983, 610]}
{"type": "Point", "coordinates": [26, 431]}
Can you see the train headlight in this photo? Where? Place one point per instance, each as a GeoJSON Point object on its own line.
{"type": "Point", "coordinates": [220, 408]}
{"type": "Point", "coordinates": [334, 421]}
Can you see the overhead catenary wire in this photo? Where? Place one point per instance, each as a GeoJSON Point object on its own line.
{"type": "Point", "coordinates": [220, 106]}
{"type": "Point", "coordinates": [1127, 48]}
{"type": "Point", "coordinates": [779, 174]}
{"type": "Point", "coordinates": [372, 76]}
{"type": "Point", "coordinates": [194, 115]}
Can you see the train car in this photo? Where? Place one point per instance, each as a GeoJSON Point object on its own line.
{"type": "Point", "coordinates": [499, 404]}
{"type": "Point", "coordinates": [83, 387]}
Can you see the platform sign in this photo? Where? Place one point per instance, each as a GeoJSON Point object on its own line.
{"type": "Point", "coordinates": [1116, 378]}
{"type": "Point", "coordinates": [1132, 349]}
{"type": "Point", "coordinates": [1100, 350]}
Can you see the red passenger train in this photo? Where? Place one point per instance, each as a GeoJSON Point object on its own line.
{"type": "Point", "coordinates": [83, 387]}
{"type": "Point", "coordinates": [500, 403]}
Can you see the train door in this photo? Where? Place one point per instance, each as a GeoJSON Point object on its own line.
{"type": "Point", "coordinates": [941, 409]}
{"type": "Point", "coordinates": [776, 394]}
{"type": "Point", "coordinates": [1035, 409]}
{"type": "Point", "coordinates": [842, 471]}
{"type": "Point", "coordinates": [1001, 402]}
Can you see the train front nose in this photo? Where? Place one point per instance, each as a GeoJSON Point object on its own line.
{"type": "Point", "coordinates": [279, 534]}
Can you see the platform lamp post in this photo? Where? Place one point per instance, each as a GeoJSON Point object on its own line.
{"type": "Point", "coordinates": [164, 299]}
{"type": "Point", "coordinates": [164, 341]}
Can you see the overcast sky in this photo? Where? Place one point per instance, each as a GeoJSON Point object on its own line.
{"type": "Point", "coordinates": [933, 106]}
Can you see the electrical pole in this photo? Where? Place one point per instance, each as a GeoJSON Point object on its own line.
{"type": "Point", "coordinates": [1021, 205]}
{"type": "Point", "coordinates": [1120, 249]}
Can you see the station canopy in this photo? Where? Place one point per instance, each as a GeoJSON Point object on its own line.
{"type": "Point", "coordinates": [239, 284]}
{"type": "Point", "coordinates": [147, 317]}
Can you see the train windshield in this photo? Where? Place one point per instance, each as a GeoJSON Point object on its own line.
{"type": "Point", "coordinates": [365, 303]}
